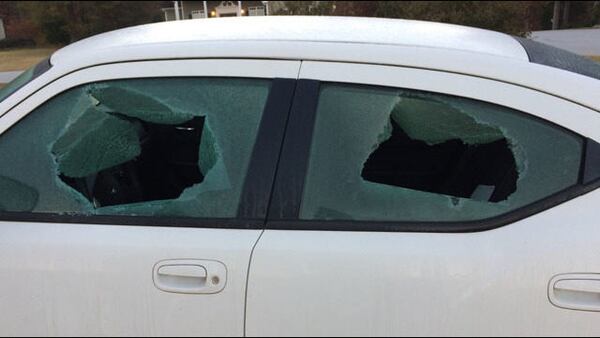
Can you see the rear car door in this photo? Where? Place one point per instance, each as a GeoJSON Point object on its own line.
{"type": "Point", "coordinates": [132, 194]}
{"type": "Point", "coordinates": [418, 202]}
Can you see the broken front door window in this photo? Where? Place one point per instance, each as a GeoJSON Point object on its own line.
{"type": "Point", "coordinates": [164, 147]}
{"type": "Point", "coordinates": [401, 155]}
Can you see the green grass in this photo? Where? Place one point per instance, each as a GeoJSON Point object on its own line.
{"type": "Point", "coordinates": [21, 59]}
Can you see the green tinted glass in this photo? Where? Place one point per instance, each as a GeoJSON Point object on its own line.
{"type": "Point", "coordinates": [24, 78]}
{"type": "Point", "coordinates": [151, 147]}
{"type": "Point", "coordinates": [383, 154]}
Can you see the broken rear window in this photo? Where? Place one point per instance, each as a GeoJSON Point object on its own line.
{"type": "Point", "coordinates": [150, 147]}
{"type": "Point", "coordinates": [386, 154]}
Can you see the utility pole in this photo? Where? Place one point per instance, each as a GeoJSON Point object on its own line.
{"type": "Point", "coordinates": [556, 16]}
{"type": "Point", "coordinates": [565, 16]}
{"type": "Point", "coordinates": [176, 6]}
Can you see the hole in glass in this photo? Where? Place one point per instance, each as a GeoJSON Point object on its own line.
{"type": "Point", "coordinates": [485, 172]}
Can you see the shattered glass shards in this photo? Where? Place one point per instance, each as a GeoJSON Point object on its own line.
{"type": "Point", "coordinates": [432, 146]}
{"type": "Point", "coordinates": [490, 150]}
{"type": "Point", "coordinates": [436, 122]}
{"type": "Point", "coordinates": [129, 102]}
{"type": "Point", "coordinates": [96, 141]}
{"type": "Point", "coordinates": [16, 196]}
{"type": "Point", "coordinates": [120, 147]}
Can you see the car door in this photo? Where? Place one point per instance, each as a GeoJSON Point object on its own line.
{"type": "Point", "coordinates": [419, 202]}
{"type": "Point", "coordinates": [132, 194]}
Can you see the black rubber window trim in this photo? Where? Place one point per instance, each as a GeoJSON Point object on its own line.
{"type": "Point", "coordinates": [257, 188]}
{"type": "Point", "coordinates": [289, 182]}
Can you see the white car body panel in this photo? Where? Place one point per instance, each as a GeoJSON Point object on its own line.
{"type": "Point", "coordinates": [479, 53]}
{"type": "Point", "coordinates": [323, 283]}
{"type": "Point", "coordinates": [86, 279]}
{"type": "Point", "coordinates": [298, 28]}
{"type": "Point", "coordinates": [82, 279]}
{"type": "Point", "coordinates": [389, 284]}
{"type": "Point", "coordinates": [96, 280]}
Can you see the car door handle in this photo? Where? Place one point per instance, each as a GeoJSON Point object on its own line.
{"type": "Point", "coordinates": [576, 292]}
{"type": "Point", "coordinates": [190, 276]}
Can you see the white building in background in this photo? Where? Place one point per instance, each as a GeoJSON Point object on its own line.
{"type": "Point", "coordinates": [183, 10]}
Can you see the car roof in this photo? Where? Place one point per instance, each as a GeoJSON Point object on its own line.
{"type": "Point", "coordinates": [388, 42]}
{"type": "Point", "coordinates": [366, 31]}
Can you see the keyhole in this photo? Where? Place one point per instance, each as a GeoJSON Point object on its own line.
{"type": "Point", "coordinates": [215, 280]}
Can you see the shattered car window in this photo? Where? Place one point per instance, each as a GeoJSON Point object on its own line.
{"type": "Point", "coordinates": [148, 147]}
{"type": "Point", "coordinates": [385, 154]}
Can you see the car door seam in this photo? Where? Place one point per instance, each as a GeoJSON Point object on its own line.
{"type": "Point", "coordinates": [285, 127]}
{"type": "Point", "coordinates": [248, 280]}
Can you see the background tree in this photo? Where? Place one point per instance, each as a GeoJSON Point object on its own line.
{"type": "Point", "coordinates": [62, 22]}
{"type": "Point", "coordinates": [505, 16]}
{"type": "Point", "coordinates": [308, 8]}
{"type": "Point", "coordinates": [513, 17]}
{"type": "Point", "coordinates": [16, 26]}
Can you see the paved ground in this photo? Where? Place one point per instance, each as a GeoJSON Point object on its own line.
{"type": "Point", "coordinates": [580, 41]}
{"type": "Point", "coordinates": [8, 76]}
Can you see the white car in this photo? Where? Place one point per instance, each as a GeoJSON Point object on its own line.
{"type": "Point", "coordinates": [301, 176]}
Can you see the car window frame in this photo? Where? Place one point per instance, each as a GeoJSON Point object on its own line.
{"type": "Point", "coordinates": [288, 192]}
{"type": "Point", "coordinates": [257, 186]}
{"type": "Point", "coordinates": [34, 72]}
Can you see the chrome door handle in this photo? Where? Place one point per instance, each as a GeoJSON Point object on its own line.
{"type": "Point", "coordinates": [190, 276]}
{"type": "Point", "coordinates": [575, 292]}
